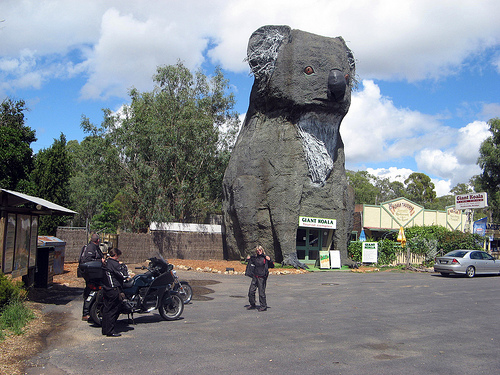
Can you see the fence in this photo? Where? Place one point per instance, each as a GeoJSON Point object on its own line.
{"type": "Point", "coordinates": [414, 258]}
{"type": "Point", "coordinates": [138, 247]}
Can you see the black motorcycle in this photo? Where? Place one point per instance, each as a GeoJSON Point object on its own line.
{"type": "Point", "coordinates": [183, 287]}
{"type": "Point", "coordinates": [146, 292]}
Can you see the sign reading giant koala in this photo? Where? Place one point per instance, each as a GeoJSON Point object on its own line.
{"type": "Point", "coordinates": [288, 160]}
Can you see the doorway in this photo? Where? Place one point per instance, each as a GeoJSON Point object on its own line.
{"type": "Point", "coordinates": [308, 244]}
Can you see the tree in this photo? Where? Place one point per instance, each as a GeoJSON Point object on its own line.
{"type": "Point", "coordinates": [489, 162]}
{"type": "Point", "coordinates": [95, 177]}
{"type": "Point", "coordinates": [16, 155]}
{"type": "Point", "coordinates": [389, 190]}
{"type": "Point", "coordinates": [171, 148]}
{"type": "Point", "coordinates": [365, 192]}
{"type": "Point", "coordinates": [50, 177]}
{"type": "Point", "coordinates": [419, 188]}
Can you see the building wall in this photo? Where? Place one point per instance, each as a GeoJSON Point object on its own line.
{"type": "Point", "coordinates": [402, 212]}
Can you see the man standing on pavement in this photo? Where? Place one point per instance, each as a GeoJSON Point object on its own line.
{"type": "Point", "coordinates": [90, 253]}
{"type": "Point", "coordinates": [260, 263]}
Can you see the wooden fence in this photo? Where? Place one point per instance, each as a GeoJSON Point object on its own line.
{"type": "Point", "coordinates": [414, 258]}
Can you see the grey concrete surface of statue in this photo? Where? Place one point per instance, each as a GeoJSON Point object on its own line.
{"type": "Point", "coordinates": [288, 160]}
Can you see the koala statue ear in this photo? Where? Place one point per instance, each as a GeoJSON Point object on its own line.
{"type": "Point", "coordinates": [263, 48]}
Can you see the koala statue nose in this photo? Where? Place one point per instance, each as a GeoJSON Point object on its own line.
{"type": "Point", "coordinates": [336, 85]}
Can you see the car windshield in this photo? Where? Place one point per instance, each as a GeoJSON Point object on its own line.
{"type": "Point", "coordinates": [457, 253]}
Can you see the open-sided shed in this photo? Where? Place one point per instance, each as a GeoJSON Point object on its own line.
{"type": "Point", "coordinates": [19, 216]}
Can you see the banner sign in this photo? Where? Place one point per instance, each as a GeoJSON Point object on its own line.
{"type": "Point", "coordinates": [473, 200]}
{"type": "Point", "coordinates": [480, 226]}
{"type": "Point", "coordinates": [316, 222]}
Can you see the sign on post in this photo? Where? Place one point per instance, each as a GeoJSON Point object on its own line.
{"type": "Point", "coordinates": [470, 201]}
{"type": "Point", "coordinates": [370, 252]}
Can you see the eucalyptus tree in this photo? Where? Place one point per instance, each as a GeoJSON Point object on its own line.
{"type": "Point", "coordinates": [16, 155]}
{"type": "Point", "coordinates": [172, 145]}
{"type": "Point", "coordinates": [50, 178]}
{"type": "Point", "coordinates": [489, 162]}
{"type": "Point", "coordinates": [420, 188]}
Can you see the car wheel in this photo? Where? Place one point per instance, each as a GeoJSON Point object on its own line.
{"type": "Point", "coordinates": [470, 272]}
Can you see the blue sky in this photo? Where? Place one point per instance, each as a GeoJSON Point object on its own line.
{"type": "Point", "coordinates": [429, 71]}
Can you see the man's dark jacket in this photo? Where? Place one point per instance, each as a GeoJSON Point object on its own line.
{"type": "Point", "coordinates": [91, 252]}
{"type": "Point", "coordinates": [260, 265]}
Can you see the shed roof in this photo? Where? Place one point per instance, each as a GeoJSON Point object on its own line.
{"type": "Point", "coordinates": [12, 200]}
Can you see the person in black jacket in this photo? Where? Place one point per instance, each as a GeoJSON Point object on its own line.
{"type": "Point", "coordinates": [115, 273]}
{"type": "Point", "coordinates": [260, 263]}
{"type": "Point", "coordinates": [89, 253]}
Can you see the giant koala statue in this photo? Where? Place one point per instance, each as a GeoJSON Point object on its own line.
{"type": "Point", "coordinates": [288, 160]}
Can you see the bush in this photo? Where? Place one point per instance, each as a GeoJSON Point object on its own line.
{"type": "Point", "coordinates": [387, 250]}
{"type": "Point", "coordinates": [13, 313]}
{"type": "Point", "coordinates": [429, 240]}
{"type": "Point", "coordinates": [10, 291]}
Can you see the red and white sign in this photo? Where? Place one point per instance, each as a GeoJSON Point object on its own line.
{"type": "Point", "coordinates": [473, 200]}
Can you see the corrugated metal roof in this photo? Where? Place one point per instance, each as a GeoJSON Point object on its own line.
{"type": "Point", "coordinates": [46, 240]}
{"type": "Point", "coordinates": [13, 199]}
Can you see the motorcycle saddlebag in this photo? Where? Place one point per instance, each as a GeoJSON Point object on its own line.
{"type": "Point", "coordinates": [92, 270]}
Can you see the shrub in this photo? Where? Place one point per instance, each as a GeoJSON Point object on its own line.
{"type": "Point", "coordinates": [10, 291]}
{"type": "Point", "coordinates": [386, 251]}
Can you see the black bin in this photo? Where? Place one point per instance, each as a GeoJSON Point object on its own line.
{"type": "Point", "coordinates": [44, 274]}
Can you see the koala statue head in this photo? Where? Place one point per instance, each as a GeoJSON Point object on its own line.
{"type": "Point", "coordinates": [293, 68]}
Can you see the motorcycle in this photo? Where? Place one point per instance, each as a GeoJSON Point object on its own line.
{"type": "Point", "coordinates": [146, 292]}
{"type": "Point", "coordinates": [183, 287]}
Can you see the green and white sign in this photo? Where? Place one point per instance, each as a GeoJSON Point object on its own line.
{"type": "Point", "coordinates": [317, 222]}
{"type": "Point", "coordinates": [370, 252]}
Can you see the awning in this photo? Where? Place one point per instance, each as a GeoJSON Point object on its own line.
{"type": "Point", "coordinates": [12, 200]}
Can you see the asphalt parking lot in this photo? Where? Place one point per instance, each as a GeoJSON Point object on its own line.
{"type": "Point", "coordinates": [317, 323]}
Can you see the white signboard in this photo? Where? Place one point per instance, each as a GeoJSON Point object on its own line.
{"type": "Point", "coordinates": [370, 252]}
{"type": "Point", "coordinates": [316, 222]}
{"type": "Point", "coordinates": [335, 258]}
{"type": "Point", "coordinates": [473, 200]}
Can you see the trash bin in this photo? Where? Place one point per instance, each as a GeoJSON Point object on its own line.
{"type": "Point", "coordinates": [59, 247]}
{"type": "Point", "coordinates": [44, 274]}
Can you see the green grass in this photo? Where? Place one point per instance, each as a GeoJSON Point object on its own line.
{"type": "Point", "coordinates": [14, 318]}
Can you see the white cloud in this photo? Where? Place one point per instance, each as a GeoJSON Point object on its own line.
{"type": "Point", "coordinates": [392, 173]}
{"type": "Point", "coordinates": [376, 130]}
{"type": "Point", "coordinates": [391, 39]}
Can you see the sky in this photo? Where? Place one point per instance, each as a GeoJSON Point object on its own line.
{"type": "Point", "coordinates": [428, 70]}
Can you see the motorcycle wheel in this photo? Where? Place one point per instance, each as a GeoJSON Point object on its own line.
{"type": "Point", "coordinates": [187, 295]}
{"type": "Point", "coordinates": [171, 307]}
{"type": "Point", "coordinates": [95, 313]}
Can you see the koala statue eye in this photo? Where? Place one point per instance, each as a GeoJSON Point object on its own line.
{"type": "Point", "coordinates": [308, 70]}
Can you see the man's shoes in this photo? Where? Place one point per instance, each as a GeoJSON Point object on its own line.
{"type": "Point", "coordinates": [114, 335]}
{"type": "Point", "coordinates": [251, 307]}
{"type": "Point", "coordinates": [262, 309]}
{"type": "Point", "coordinates": [85, 318]}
